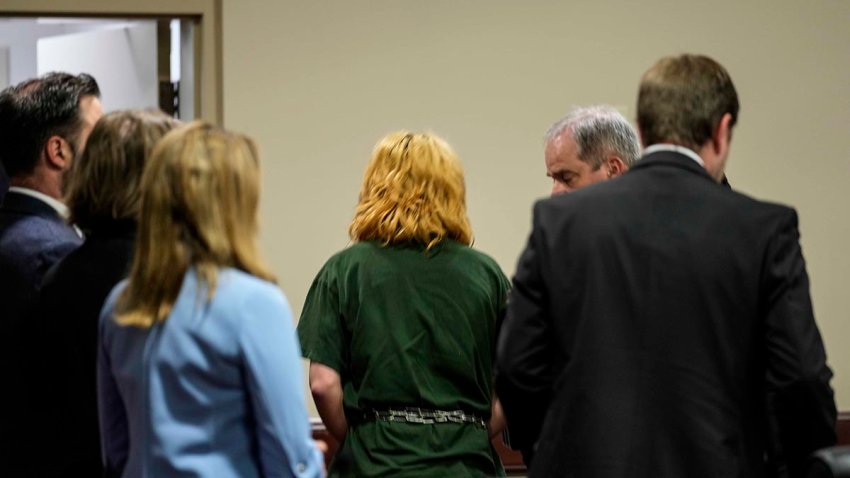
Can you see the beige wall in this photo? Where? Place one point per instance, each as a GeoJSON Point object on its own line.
{"type": "Point", "coordinates": [318, 82]}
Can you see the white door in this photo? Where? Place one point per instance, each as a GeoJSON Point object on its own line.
{"type": "Point", "coordinates": [122, 59]}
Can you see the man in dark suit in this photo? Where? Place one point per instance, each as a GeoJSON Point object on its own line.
{"type": "Point", "coordinates": [4, 182]}
{"type": "Point", "coordinates": [44, 124]}
{"type": "Point", "coordinates": [660, 324]}
{"type": "Point", "coordinates": [589, 145]}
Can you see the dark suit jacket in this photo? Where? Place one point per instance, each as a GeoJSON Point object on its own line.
{"type": "Point", "coordinates": [659, 326]}
{"type": "Point", "coordinates": [32, 238]}
{"type": "Point", "coordinates": [4, 183]}
{"type": "Point", "coordinates": [66, 319]}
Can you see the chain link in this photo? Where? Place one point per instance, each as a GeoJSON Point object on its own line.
{"type": "Point", "coordinates": [424, 416]}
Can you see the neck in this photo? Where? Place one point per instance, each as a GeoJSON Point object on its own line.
{"type": "Point", "coordinates": [713, 162]}
{"type": "Point", "coordinates": [46, 187]}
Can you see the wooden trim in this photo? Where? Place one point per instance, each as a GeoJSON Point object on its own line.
{"type": "Point", "coordinates": [843, 428]}
{"type": "Point", "coordinates": [207, 15]}
{"type": "Point", "coordinates": [106, 8]}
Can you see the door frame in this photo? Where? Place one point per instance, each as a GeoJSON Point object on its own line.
{"type": "Point", "coordinates": [205, 14]}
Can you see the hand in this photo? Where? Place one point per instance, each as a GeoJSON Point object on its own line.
{"type": "Point", "coordinates": [323, 447]}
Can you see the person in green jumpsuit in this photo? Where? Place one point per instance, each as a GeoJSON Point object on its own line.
{"type": "Point", "coordinates": [399, 328]}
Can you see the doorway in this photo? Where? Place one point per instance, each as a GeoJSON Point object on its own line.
{"type": "Point", "coordinates": [137, 63]}
{"type": "Point", "coordinates": [143, 53]}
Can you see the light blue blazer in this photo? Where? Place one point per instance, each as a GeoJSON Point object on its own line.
{"type": "Point", "coordinates": [216, 390]}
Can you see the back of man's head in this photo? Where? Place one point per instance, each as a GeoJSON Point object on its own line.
{"type": "Point", "coordinates": [36, 109]}
{"type": "Point", "coordinates": [598, 131]}
{"type": "Point", "coordinates": [682, 99]}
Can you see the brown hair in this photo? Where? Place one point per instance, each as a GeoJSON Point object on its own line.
{"type": "Point", "coordinates": [413, 190]}
{"type": "Point", "coordinates": [103, 183]}
{"type": "Point", "coordinates": [200, 193]}
{"type": "Point", "coordinates": [681, 100]}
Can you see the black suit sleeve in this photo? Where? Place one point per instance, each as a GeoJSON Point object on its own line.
{"type": "Point", "coordinates": [800, 403]}
{"type": "Point", "coordinates": [523, 373]}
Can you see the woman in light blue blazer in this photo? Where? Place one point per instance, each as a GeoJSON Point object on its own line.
{"type": "Point", "coordinates": [198, 368]}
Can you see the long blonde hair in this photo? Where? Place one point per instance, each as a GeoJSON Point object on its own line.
{"type": "Point", "coordinates": [413, 191]}
{"type": "Point", "coordinates": [200, 192]}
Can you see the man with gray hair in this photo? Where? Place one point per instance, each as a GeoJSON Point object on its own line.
{"type": "Point", "coordinates": [589, 145]}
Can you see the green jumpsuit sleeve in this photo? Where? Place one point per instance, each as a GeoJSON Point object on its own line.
{"type": "Point", "coordinates": [320, 329]}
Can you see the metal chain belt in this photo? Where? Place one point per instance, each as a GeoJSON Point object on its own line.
{"type": "Point", "coordinates": [424, 416]}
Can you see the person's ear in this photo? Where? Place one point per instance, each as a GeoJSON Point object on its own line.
{"type": "Point", "coordinates": [616, 166]}
{"type": "Point", "coordinates": [58, 152]}
{"type": "Point", "coordinates": [722, 135]}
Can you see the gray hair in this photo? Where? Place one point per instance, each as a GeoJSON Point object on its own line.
{"type": "Point", "coordinates": [599, 131]}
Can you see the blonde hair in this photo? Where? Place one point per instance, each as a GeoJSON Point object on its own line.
{"type": "Point", "coordinates": [413, 191]}
{"type": "Point", "coordinates": [199, 209]}
{"type": "Point", "coordinates": [103, 183]}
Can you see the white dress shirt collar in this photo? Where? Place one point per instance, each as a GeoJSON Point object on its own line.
{"type": "Point", "coordinates": [676, 149]}
{"type": "Point", "coordinates": [60, 208]}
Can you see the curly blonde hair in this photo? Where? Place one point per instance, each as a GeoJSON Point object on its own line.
{"type": "Point", "coordinates": [413, 191]}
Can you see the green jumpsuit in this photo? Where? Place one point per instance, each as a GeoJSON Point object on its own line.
{"type": "Point", "coordinates": [406, 327]}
